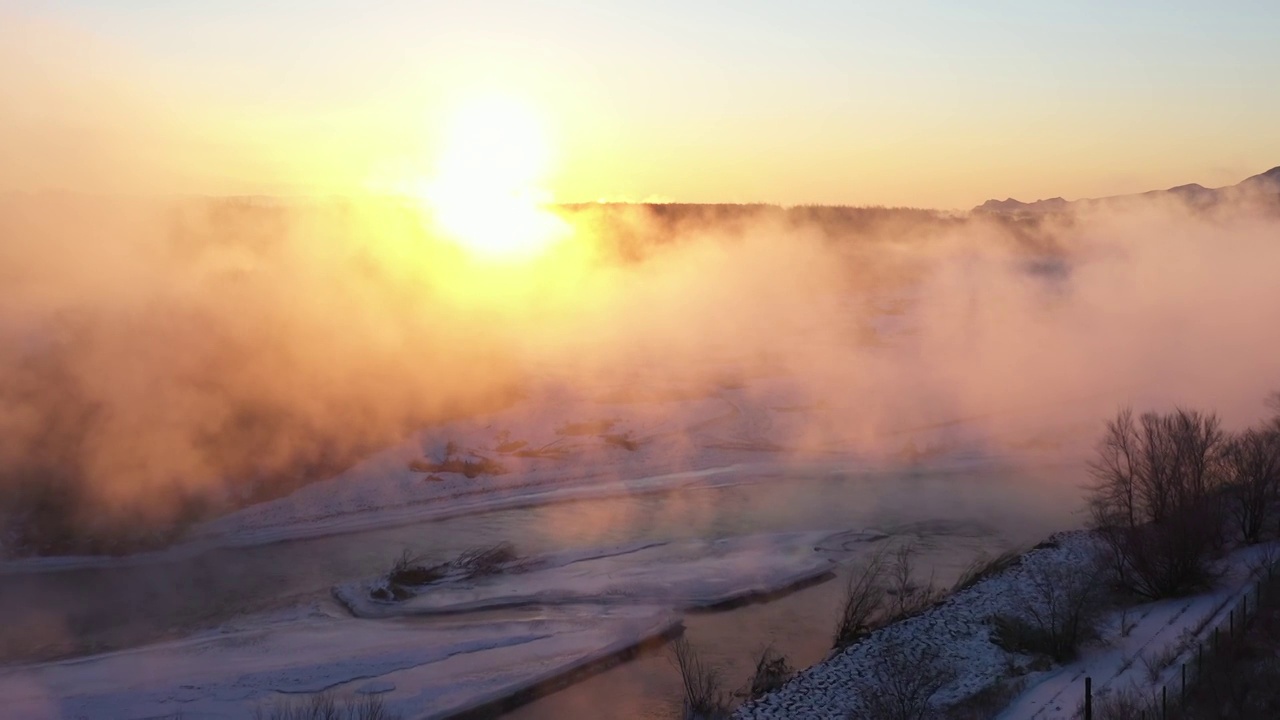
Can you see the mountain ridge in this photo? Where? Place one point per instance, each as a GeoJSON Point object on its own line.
{"type": "Point", "coordinates": [1267, 182]}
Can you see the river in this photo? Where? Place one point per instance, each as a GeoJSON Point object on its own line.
{"type": "Point", "coordinates": [950, 515]}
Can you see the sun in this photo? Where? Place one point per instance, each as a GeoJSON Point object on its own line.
{"type": "Point", "coordinates": [484, 194]}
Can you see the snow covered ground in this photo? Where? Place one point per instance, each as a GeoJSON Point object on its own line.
{"type": "Point", "coordinates": [1141, 648]}
{"type": "Point", "coordinates": [953, 637]}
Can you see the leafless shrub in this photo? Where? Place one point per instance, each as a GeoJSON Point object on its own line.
{"type": "Point", "coordinates": [864, 600]}
{"type": "Point", "coordinates": [1126, 627]}
{"type": "Point", "coordinates": [1264, 561]}
{"type": "Point", "coordinates": [409, 571]}
{"type": "Point", "coordinates": [881, 590]}
{"type": "Point", "coordinates": [1240, 682]}
{"type": "Point", "coordinates": [478, 562]}
{"type": "Point", "coordinates": [324, 706]}
{"type": "Point", "coordinates": [622, 440]}
{"type": "Point", "coordinates": [905, 678]}
{"type": "Point", "coordinates": [1156, 661]}
{"type": "Point", "coordinates": [369, 707]}
{"type": "Point", "coordinates": [985, 566]}
{"type": "Point", "coordinates": [772, 672]}
{"type": "Point", "coordinates": [907, 597]}
{"type": "Point", "coordinates": [1253, 467]}
{"type": "Point", "coordinates": [704, 698]}
{"type": "Point", "coordinates": [1156, 502]}
{"type": "Point", "coordinates": [1126, 704]}
{"type": "Point", "coordinates": [1064, 604]}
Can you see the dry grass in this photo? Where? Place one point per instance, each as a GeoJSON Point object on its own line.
{"type": "Point", "coordinates": [881, 590]}
{"type": "Point", "coordinates": [772, 672]}
{"type": "Point", "coordinates": [864, 598]}
{"type": "Point", "coordinates": [704, 696]}
{"type": "Point", "coordinates": [409, 571]}
{"type": "Point", "coordinates": [1126, 704]}
{"type": "Point", "coordinates": [324, 706]}
{"type": "Point", "coordinates": [985, 566]}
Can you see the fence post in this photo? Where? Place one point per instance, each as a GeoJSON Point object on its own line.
{"type": "Point", "coordinates": [1244, 610]}
{"type": "Point", "coordinates": [1164, 702]}
{"type": "Point", "coordinates": [1231, 626]}
{"type": "Point", "coordinates": [1184, 685]}
{"type": "Point", "coordinates": [1088, 698]}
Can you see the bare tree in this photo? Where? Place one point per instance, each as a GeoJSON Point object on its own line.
{"type": "Point", "coordinates": [1253, 466]}
{"type": "Point", "coordinates": [1114, 496]}
{"type": "Point", "coordinates": [1156, 499]}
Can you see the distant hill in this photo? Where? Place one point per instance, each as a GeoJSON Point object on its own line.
{"type": "Point", "coordinates": [1010, 205]}
{"type": "Point", "coordinates": [1267, 183]}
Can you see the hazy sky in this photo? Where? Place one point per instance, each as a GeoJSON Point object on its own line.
{"type": "Point", "coordinates": [924, 102]}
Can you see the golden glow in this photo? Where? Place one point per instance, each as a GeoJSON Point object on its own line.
{"type": "Point", "coordinates": [484, 193]}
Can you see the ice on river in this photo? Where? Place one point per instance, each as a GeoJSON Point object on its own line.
{"type": "Point", "coordinates": [682, 574]}
{"type": "Point", "coordinates": [423, 670]}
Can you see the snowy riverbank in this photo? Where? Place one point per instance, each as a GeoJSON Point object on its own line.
{"type": "Point", "coordinates": [1137, 646]}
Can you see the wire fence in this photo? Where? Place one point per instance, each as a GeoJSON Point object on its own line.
{"type": "Point", "coordinates": [1169, 700]}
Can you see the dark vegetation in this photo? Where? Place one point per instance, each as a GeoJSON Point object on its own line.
{"type": "Point", "coordinates": [882, 590]}
{"type": "Point", "coordinates": [324, 706]}
{"type": "Point", "coordinates": [470, 468]}
{"type": "Point", "coordinates": [984, 567]}
{"type": "Point", "coordinates": [449, 462]}
{"type": "Point", "coordinates": [1234, 677]}
{"type": "Point", "coordinates": [704, 695]}
{"type": "Point", "coordinates": [1171, 490]}
{"type": "Point", "coordinates": [772, 672]}
{"type": "Point", "coordinates": [633, 232]}
{"type": "Point", "coordinates": [410, 572]}
{"type": "Point", "coordinates": [1242, 681]}
{"type": "Point", "coordinates": [1064, 608]}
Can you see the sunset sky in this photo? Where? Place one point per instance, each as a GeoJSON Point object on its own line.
{"type": "Point", "coordinates": [923, 103]}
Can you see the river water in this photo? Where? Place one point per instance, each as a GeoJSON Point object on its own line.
{"type": "Point", "coordinates": [949, 515]}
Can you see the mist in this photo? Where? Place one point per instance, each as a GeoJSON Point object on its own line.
{"type": "Point", "coordinates": [165, 358]}
{"type": "Point", "coordinates": [168, 360]}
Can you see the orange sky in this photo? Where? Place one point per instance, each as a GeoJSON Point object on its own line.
{"type": "Point", "coordinates": [926, 105]}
